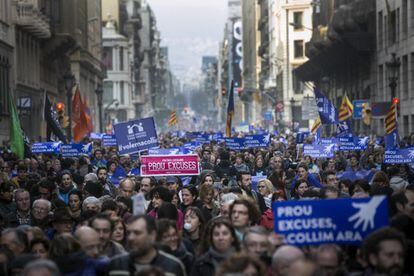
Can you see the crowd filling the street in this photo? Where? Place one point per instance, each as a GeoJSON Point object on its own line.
{"type": "Point", "coordinates": [253, 211]}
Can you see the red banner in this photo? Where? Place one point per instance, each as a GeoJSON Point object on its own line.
{"type": "Point", "coordinates": [161, 165]}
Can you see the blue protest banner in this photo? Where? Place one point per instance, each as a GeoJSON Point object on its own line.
{"type": "Point", "coordinates": [191, 146]}
{"type": "Point", "coordinates": [46, 147]}
{"type": "Point", "coordinates": [300, 137]}
{"type": "Point", "coordinates": [399, 156]}
{"type": "Point", "coordinates": [169, 151]}
{"type": "Point", "coordinates": [329, 141]}
{"type": "Point", "coordinates": [135, 136]}
{"type": "Point", "coordinates": [97, 136]}
{"type": "Point", "coordinates": [353, 143]}
{"type": "Point", "coordinates": [319, 151]}
{"type": "Point", "coordinates": [109, 140]}
{"type": "Point", "coordinates": [257, 141]}
{"type": "Point", "coordinates": [327, 111]}
{"type": "Point", "coordinates": [202, 138]}
{"type": "Point", "coordinates": [74, 150]}
{"type": "Point", "coordinates": [234, 143]}
{"type": "Point", "coordinates": [340, 221]}
{"type": "Point", "coordinates": [217, 136]}
{"type": "Point", "coordinates": [358, 107]}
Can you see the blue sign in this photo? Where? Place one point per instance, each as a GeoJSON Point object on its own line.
{"type": "Point", "coordinates": [328, 141]}
{"type": "Point", "coordinates": [340, 221]}
{"type": "Point", "coordinates": [97, 136]}
{"type": "Point", "coordinates": [300, 137]}
{"type": "Point", "coordinates": [74, 150]}
{"type": "Point", "coordinates": [135, 136]}
{"type": "Point", "coordinates": [319, 151]}
{"type": "Point", "coordinates": [169, 151]}
{"type": "Point", "coordinates": [257, 141]}
{"type": "Point", "coordinates": [353, 143]}
{"type": "Point", "coordinates": [191, 146]}
{"type": "Point", "coordinates": [234, 143]}
{"type": "Point", "coordinates": [216, 136]}
{"type": "Point", "coordinates": [109, 140]}
{"type": "Point", "coordinates": [358, 107]}
{"type": "Point", "coordinates": [47, 147]}
{"type": "Point", "coordinates": [268, 116]}
{"type": "Point", "coordinates": [399, 156]}
{"type": "Point", "coordinates": [202, 138]}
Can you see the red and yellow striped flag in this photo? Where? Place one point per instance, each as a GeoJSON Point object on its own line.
{"type": "Point", "coordinates": [346, 110]}
{"type": "Point", "coordinates": [391, 118]}
{"type": "Point", "coordinates": [316, 125]}
{"type": "Point", "coordinates": [172, 121]}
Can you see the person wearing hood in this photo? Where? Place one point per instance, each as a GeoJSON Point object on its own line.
{"type": "Point", "coordinates": [224, 168]}
{"type": "Point", "coordinates": [397, 183]}
{"type": "Point", "coordinates": [66, 185]}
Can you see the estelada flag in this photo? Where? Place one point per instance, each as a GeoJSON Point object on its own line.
{"type": "Point", "coordinates": [80, 119]}
{"type": "Point", "coordinates": [172, 121]}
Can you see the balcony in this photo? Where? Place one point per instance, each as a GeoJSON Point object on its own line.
{"type": "Point", "coordinates": [29, 18]}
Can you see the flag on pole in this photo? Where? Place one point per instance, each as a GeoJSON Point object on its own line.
{"type": "Point", "coordinates": [172, 121]}
{"type": "Point", "coordinates": [346, 109]}
{"type": "Point", "coordinates": [316, 125]}
{"type": "Point", "coordinates": [52, 122]}
{"type": "Point", "coordinates": [327, 111]}
{"type": "Point", "coordinates": [230, 110]}
{"type": "Point", "coordinates": [79, 118]}
{"type": "Point", "coordinates": [391, 129]}
{"type": "Point", "coordinates": [16, 134]}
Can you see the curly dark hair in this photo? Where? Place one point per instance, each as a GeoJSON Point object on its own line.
{"type": "Point", "coordinates": [252, 207]}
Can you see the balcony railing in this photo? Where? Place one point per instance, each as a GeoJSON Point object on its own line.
{"type": "Point", "coordinates": [29, 17]}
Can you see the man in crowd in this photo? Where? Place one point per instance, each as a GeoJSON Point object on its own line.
{"type": "Point", "coordinates": [103, 225]}
{"type": "Point", "coordinates": [141, 236]}
{"type": "Point", "coordinates": [244, 180]}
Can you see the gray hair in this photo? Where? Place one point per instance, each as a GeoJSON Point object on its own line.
{"type": "Point", "coordinates": [259, 230]}
{"type": "Point", "coordinates": [49, 204]}
{"type": "Point", "coordinates": [90, 200]}
{"type": "Point", "coordinates": [228, 198]}
{"type": "Point", "coordinates": [38, 265]}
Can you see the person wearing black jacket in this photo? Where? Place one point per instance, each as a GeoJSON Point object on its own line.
{"type": "Point", "coordinates": [244, 180]}
{"type": "Point", "coordinates": [142, 251]}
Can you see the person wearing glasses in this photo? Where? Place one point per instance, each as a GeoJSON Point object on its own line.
{"type": "Point", "coordinates": [266, 189]}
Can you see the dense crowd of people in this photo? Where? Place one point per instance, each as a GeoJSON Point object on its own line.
{"type": "Point", "coordinates": [75, 216]}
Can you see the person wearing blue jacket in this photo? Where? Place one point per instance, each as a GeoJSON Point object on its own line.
{"type": "Point", "coordinates": [302, 173]}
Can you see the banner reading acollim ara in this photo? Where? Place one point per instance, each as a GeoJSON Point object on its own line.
{"type": "Point", "coordinates": [162, 165]}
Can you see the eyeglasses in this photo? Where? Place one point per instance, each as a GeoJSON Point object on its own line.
{"type": "Point", "coordinates": [261, 187]}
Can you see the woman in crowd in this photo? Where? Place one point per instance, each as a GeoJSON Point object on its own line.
{"type": "Point", "coordinates": [169, 238]}
{"type": "Point", "coordinates": [259, 166]}
{"type": "Point", "coordinates": [266, 189]}
{"type": "Point", "coordinates": [301, 186]}
{"type": "Point", "coordinates": [207, 199]}
{"type": "Point", "coordinates": [119, 231]}
{"type": "Point", "coordinates": [189, 196]}
{"type": "Point", "coordinates": [194, 228]}
{"type": "Point", "coordinates": [65, 186]}
{"type": "Point", "coordinates": [221, 243]}
{"type": "Point", "coordinates": [207, 179]}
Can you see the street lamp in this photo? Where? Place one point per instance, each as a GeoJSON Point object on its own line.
{"type": "Point", "coordinates": [292, 102]}
{"type": "Point", "coordinates": [393, 67]}
{"type": "Point", "coordinates": [99, 94]}
{"type": "Point", "coordinates": [69, 84]}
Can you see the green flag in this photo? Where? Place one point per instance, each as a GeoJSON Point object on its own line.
{"type": "Point", "coordinates": [16, 136]}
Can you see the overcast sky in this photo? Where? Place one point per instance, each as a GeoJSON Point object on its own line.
{"type": "Point", "coordinates": [190, 29]}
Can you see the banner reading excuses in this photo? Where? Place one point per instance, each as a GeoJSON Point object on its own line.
{"type": "Point", "coordinates": [161, 165]}
{"type": "Point", "coordinates": [341, 221]}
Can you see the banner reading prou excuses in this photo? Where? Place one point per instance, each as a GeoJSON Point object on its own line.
{"type": "Point", "coordinates": [162, 165]}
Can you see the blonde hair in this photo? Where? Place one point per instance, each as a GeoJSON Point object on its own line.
{"type": "Point", "coordinates": [269, 186]}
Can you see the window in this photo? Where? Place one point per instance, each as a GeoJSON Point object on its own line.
{"type": "Point", "coordinates": [297, 84]}
{"type": "Point", "coordinates": [405, 77]}
{"type": "Point", "coordinates": [107, 58]}
{"type": "Point", "coordinates": [405, 125]}
{"type": "Point", "coordinates": [108, 91]}
{"type": "Point", "coordinates": [404, 26]}
{"type": "Point", "coordinates": [380, 80]}
{"type": "Point", "coordinates": [122, 91]}
{"type": "Point", "coordinates": [298, 49]}
{"type": "Point", "coordinates": [121, 59]}
{"type": "Point", "coordinates": [4, 84]}
{"type": "Point", "coordinates": [297, 20]}
{"type": "Point", "coordinates": [397, 25]}
{"type": "Point", "coordinates": [392, 27]}
{"type": "Point", "coordinates": [380, 30]}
